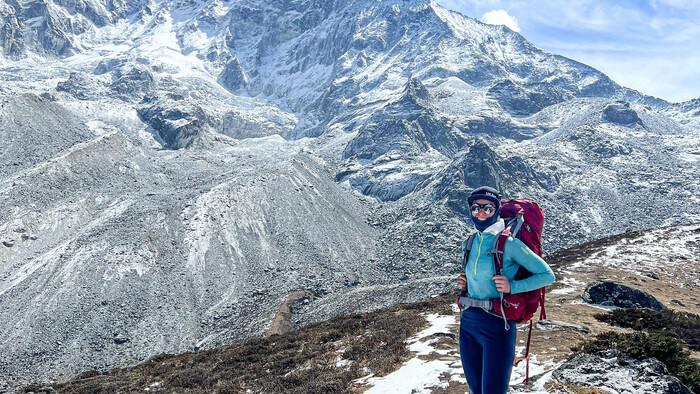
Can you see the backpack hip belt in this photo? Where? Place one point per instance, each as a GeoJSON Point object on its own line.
{"type": "Point", "coordinates": [467, 301]}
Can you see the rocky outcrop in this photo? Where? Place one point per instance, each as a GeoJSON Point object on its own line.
{"type": "Point", "coordinates": [549, 324]}
{"type": "Point", "coordinates": [94, 11]}
{"type": "Point", "coordinates": [614, 294]}
{"type": "Point", "coordinates": [132, 81]}
{"type": "Point", "coordinates": [480, 165]}
{"type": "Point", "coordinates": [242, 125]}
{"type": "Point", "coordinates": [57, 27]}
{"type": "Point", "coordinates": [397, 177]}
{"type": "Point", "coordinates": [233, 77]}
{"type": "Point", "coordinates": [82, 86]}
{"type": "Point", "coordinates": [11, 30]}
{"type": "Point", "coordinates": [408, 125]}
{"type": "Point", "coordinates": [608, 371]}
{"type": "Point", "coordinates": [620, 113]}
{"type": "Point", "coordinates": [176, 121]}
{"type": "Point", "coordinates": [522, 102]}
{"type": "Point", "coordinates": [108, 65]}
{"type": "Point", "coordinates": [384, 135]}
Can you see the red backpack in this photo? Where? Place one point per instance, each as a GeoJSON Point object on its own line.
{"type": "Point", "coordinates": [524, 220]}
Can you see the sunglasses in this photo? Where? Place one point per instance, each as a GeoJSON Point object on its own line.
{"type": "Point", "coordinates": [488, 208]}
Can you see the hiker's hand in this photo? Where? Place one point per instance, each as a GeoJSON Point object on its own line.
{"type": "Point", "coordinates": [462, 280]}
{"type": "Point", "coordinates": [502, 284]}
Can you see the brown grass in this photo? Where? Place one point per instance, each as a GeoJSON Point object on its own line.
{"type": "Point", "coordinates": [568, 387]}
{"type": "Point", "coordinates": [302, 361]}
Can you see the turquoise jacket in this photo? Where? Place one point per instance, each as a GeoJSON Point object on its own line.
{"type": "Point", "coordinates": [480, 267]}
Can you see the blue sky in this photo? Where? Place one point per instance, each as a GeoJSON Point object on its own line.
{"type": "Point", "coordinates": [651, 46]}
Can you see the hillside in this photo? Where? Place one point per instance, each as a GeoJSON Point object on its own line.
{"type": "Point", "coordinates": [175, 172]}
{"type": "Point", "coordinates": [415, 346]}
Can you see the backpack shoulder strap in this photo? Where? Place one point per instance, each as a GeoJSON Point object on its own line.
{"type": "Point", "coordinates": [499, 245]}
{"type": "Point", "coordinates": [467, 247]}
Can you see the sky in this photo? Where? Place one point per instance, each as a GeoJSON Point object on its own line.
{"type": "Point", "coordinates": [648, 45]}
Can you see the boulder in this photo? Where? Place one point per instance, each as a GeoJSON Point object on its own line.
{"type": "Point", "coordinates": [549, 325]}
{"type": "Point", "coordinates": [615, 294]}
{"type": "Point", "coordinates": [608, 371]}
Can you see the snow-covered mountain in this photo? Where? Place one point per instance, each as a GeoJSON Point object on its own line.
{"type": "Point", "coordinates": [174, 169]}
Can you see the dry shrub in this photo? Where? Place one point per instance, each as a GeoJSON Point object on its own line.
{"type": "Point", "coordinates": [302, 361]}
{"type": "Point", "coordinates": [684, 325]}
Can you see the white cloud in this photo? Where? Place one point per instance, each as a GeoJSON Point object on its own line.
{"type": "Point", "coordinates": [501, 17]}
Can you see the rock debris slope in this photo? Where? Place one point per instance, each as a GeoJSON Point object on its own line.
{"type": "Point", "coordinates": [173, 169]}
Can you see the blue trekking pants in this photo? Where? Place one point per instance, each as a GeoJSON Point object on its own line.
{"type": "Point", "coordinates": [487, 350]}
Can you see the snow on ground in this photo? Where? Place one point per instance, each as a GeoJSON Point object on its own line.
{"type": "Point", "coordinates": [517, 375]}
{"type": "Point", "coordinates": [564, 290]}
{"type": "Point", "coordinates": [419, 375]}
{"type": "Point", "coordinates": [661, 252]}
{"type": "Point", "coordinates": [433, 368]}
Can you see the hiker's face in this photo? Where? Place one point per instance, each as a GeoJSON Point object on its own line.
{"type": "Point", "coordinates": [481, 215]}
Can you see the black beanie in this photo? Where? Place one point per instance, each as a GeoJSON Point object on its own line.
{"type": "Point", "coordinates": [485, 193]}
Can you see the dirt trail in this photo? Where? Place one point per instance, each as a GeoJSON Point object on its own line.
{"type": "Point", "coordinates": [282, 322]}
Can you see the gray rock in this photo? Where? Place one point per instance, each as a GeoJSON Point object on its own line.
{"type": "Point", "coordinates": [233, 77]}
{"type": "Point", "coordinates": [480, 165]}
{"type": "Point", "coordinates": [121, 339]}
{"type": "Point", "coordinates": [386, 134]}
{"type": "Point", "coordinates": [621, 113]}
{"type": "Point", "coordinates": [108, 65]}
{"type": "Point", "coordinates": [56, 34]}
{"type": "Point", "coordinates": [611, 372]}
{"type": "Point", "coordinates": [408, 125]}
{"type": "Point", "coordinates": [679, 303]}
{"type": "Point", "coordinates": [385, 184]}
{"type": "Point", "coordinates": [34, 130]}
{"type": "Point", "coordinates": [49, 32]}
{"type": "Point", "coordinates": [176, 123]}
{"type": "Point", "coordinates": [11, 30]}
{"type": "Point", "coordinates": [133, 80]}
{"type": "Point", "coordinates": [519, 101]}
{"type": "Point", "coordinates": [614, 294]}
{"type": "Point", "coordinates": [556, 324]}
{"type": "Point", "coordinates": [240, 125]}
{"type": "Point", "coordinates": [94, 11]}
{"type": "Point", "coordinates": [81, 86]}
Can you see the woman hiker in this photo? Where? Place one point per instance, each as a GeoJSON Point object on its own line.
{"type": "Point", "coordinates": [486, 344]}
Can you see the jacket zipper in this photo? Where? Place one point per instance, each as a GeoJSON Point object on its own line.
{"type": "Point", "coordinates": [481, 239]}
